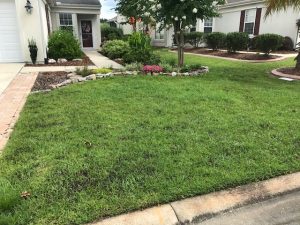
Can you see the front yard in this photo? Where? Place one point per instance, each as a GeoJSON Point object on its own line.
{"type": "Point", "coordinates": [110, 146]}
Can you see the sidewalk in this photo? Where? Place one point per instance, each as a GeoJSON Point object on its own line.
{"type": "Point", "coordinates": [7, 73]}
{"type": "Point", "coordinates": [208, 206]}
{"type": "Point", "coordinates": [12, 101]}
{"type": "Point", "coordinates": [102, 61]}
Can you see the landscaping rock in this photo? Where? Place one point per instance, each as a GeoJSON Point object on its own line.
{"type": "Point", "coordinates": [91, 77]}
{"type": "Point", "coordinates": [51, 61]}
{"type": "Point", "coordinates": [70, 75]}
{"type": "Point", "coordinates": [81, 79]}
{"type": "Point", "coordinates": [62, 60]}
{"type": "Point", "coordinates": [77, 60]}
{"type": "Point", "coordinates": [174, 74]}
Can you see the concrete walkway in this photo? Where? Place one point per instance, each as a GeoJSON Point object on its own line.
{"type": "Point", "coordinates": [101, 61]}
{"type": "Point", "coordinates": [12, 101]}
{"type": "Point", "coordinates": [281, 210]}
{"type": "Point", "coordinates": [7, 73]}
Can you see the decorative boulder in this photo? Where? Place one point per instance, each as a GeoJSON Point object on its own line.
{"type": "Point", "coordinates": [62, 60]}
{"type": "Point", "coordinates": [77, 60]}
{"type": "Point", "coordinates": [51, 61]}
{"type": "Point", "coordinates": [91, 77]}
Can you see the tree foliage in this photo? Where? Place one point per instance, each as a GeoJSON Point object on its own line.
{"type": "Point", "coordinates": [180, 15]}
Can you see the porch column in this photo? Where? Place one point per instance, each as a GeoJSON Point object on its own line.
{"type": "Point", "coordinates": [75, 25]}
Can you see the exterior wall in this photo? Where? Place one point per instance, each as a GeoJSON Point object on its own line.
{"type": "Point", "coordinates": [79, 14]}
{"type": "Point", "coordinates": [282, 23]}
{"type": "Point", "coordinates": [34, 26]}
{"type": "Point", "coordinates": [127, 28]}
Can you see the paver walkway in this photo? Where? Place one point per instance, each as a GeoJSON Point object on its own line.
{"type": "Point", "coordinates": [101, 61]}
{"type": "Point", "coordinates": [12, 101]}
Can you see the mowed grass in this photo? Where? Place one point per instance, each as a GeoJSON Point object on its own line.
{"type": "Point", "coordinates": [110, 146]}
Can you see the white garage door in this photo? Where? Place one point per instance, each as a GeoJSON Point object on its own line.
{"type": "Point", "coordinates": [10, 47]}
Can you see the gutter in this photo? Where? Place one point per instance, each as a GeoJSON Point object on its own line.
{"type": "Point", "coordinates": [242, 3]}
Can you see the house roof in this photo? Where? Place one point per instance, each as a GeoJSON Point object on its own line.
{"type": "Point", "coordinates": [240, 1]}
{"type": "Point", "coordinates": [79, 2]}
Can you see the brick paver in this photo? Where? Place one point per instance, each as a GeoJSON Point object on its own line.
{"type": "Point", "coordinates": [12, 101]}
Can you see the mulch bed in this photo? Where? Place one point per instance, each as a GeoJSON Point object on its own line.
{"type": "Point", "coordinates": [46, 79]}
{"type": "Point", "coordinates": [242, 56]}
{"type": "Point", "coordinates": [289, 71]}
{"type": "Point", "coordinates": [85, 62]}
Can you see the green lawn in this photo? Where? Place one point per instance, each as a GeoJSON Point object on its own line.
{"type": "Point", "coordinates": [110, 146]}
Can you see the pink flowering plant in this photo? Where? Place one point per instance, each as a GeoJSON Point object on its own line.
{"type": "Point", "coordinates": [152, 69]}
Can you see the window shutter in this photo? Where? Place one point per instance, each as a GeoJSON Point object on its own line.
{"type": "Point", "coordinates": [242, 21]}
{"type": "Point", "coordinates": [257, 21]}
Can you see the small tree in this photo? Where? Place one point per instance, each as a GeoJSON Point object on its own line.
{"type": "Point", "coordinates": [178, 14]}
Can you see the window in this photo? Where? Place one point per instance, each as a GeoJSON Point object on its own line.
{"type": "Point", "coordinates": [249, 21]}
{"type": "Point", "coordinates": [208, 25]}
{"type": "Point", "coordinates": [65, 21]}
{"type": "Point", "coordinates": [159, 34]}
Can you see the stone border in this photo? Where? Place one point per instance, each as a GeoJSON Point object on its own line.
{"type": "Point", "coordinates": [207, 206]}
{"type": "Point", "coordinates": [74, 78]}
{"type": "Point", "coordinates": [275, 72]}
{"type": "Point", "coordinates": [237, 60]}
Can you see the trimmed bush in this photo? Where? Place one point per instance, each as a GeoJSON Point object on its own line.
{"type": "Point", "coordinates": [236, 41]}
{"type": "Point", "coordinates": [267, 43]}
{"type": "Point", "coordinates": [115, 49]}
{"type": "Point", "coordinates": [194, 38]}
{"type": "Point", "coordinates": [215, 40]}
{"type": "Point", "coordinates": [62, 44]}
{"type": "Point", "coordinates": [109, 33]}
{"type": "Point", "coordinates": [287, 44]}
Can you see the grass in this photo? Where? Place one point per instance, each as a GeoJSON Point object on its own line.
{"type": "Point", "coordinates": [110, 146]}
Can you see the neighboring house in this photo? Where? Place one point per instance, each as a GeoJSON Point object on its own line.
{"type": "Point", "coordinates": [17, 25]}
{"type": "Point", "coordinates": [122, 23]}
{"type": "Point", "coordinates": [242, 16]}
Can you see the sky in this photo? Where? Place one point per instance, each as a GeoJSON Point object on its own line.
{"type": "Point", "coordinates": [107, 12]}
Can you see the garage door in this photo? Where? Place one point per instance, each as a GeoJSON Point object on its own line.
{"type": "Point", "coordinates": [10, 47]}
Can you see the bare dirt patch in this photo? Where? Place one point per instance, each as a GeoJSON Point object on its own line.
{"type": "Point", "coordinates": [46, 79]}
{"type": "Point", "coordinates": [241, 56]}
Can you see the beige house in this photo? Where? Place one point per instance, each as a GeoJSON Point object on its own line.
{"type": "Point", "coordinates": [21, 20]}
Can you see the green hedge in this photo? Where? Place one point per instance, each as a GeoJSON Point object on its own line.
{"type": "Point", "coordinates": [115, 49]}
{"type": "Point", "coordinates": [215, 40]}
{"type": "Point", "coordinates": [267, 43]}
{"type": "Point", "coordinates": [236, 41]}
{"type": "Point", "coordinates": [194, 38]}
{"type": "Point", "coordinates": [62, 44]}
{"type": "Point", "coordinates": [110, 33]}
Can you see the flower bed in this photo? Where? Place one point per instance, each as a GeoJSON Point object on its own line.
{"type": "Point", "coordinates": [291, 73]}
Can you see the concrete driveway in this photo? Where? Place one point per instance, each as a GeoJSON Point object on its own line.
{"type": "Point", "coordinates": [7, 73]}
{"type": "Point", "coordinates": [282, 210]}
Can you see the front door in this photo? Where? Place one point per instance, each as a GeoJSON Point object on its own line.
{"type": "Point", "coordinates": [87, 33]}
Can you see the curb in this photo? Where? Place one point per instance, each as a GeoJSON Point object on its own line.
{"type": "Point", "coordinates": [206, 206]}
{"type": "Point", "coordinates": [280, 74]}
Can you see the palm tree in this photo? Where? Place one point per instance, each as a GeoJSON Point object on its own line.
{"type": "Point", "coordinates": [277, 5]}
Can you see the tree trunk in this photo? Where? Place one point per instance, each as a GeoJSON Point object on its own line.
{"type": "Point", "coordinates": [298, 61]}
{"type": "Point", "coordinates": [180, 42]}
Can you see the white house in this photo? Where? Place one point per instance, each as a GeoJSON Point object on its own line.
{"type": "Point", "coordinates": [39, 18]}
{"type": "Point", "coordinates": [242, 16]}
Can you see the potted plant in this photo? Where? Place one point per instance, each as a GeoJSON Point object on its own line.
{"type": "Point", "coordinates": [33, 49]}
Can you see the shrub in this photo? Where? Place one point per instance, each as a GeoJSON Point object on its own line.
{"type": "Point", "coordinates": [287, 44]}
{"type": "Point", "coordinates": [236, 41]}
{"type": "Point", "coordinates": [115, 49]}
{"type": "Point", "coordinates": [189, 68]}
{"type": "Point", "coordinates": [152, 69]}
{"type": "Point", "coordinates": [85, 71]}
{"type": "Point", "coordinates": [194, 38]}
{"type": "Point", "coordinates": [102, 70]}
{"type": "Point", "coordinates": [134, 66]}
{"type": "Point", "coordinates": [166, 67]}
{"type": "Point", "coordinates": [215, 40]}
{"type": "Point", "coordinates": [62, 44]}
{"type": "Point", "coordinates": [8, 196]}
{"type": "Point", "coordinates": [109, 33]}
{"type": "Point", "coordinates": [268, 42]}
{"type": "Point", "coordinates": [140, 49]}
